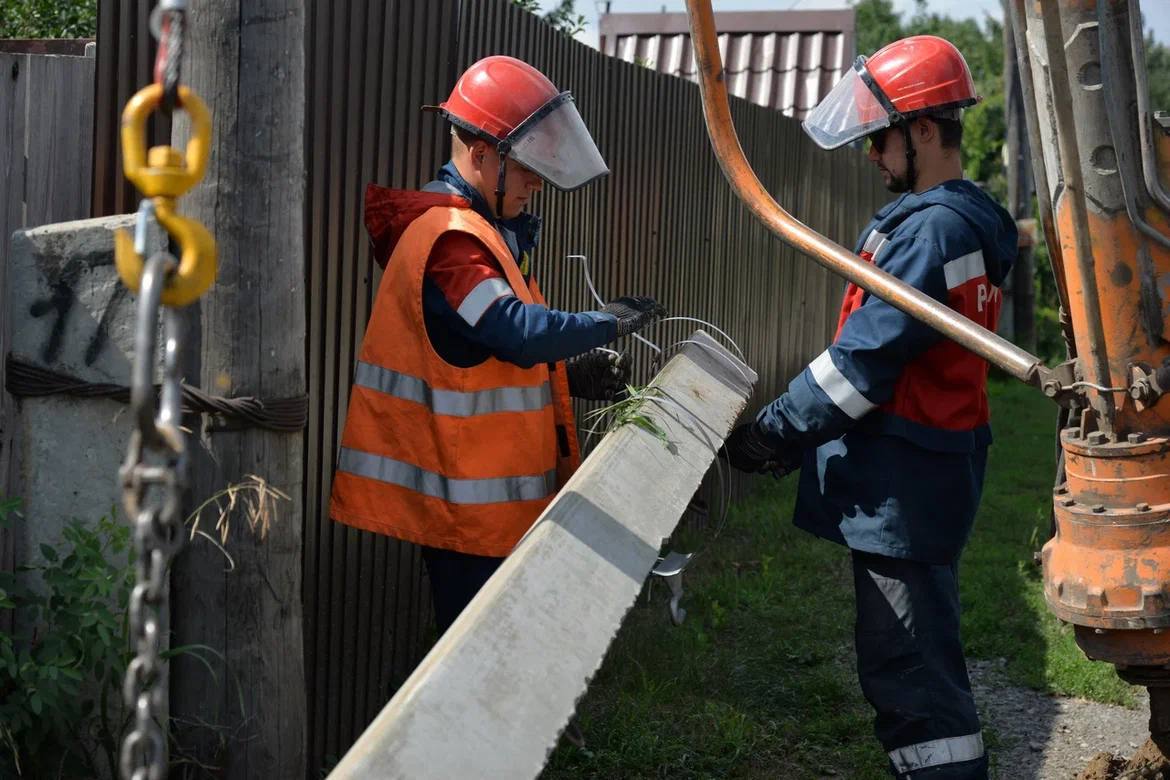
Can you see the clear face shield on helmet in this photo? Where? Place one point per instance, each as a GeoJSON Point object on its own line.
{"type": "Point", "coordinates": [853, 109]}
{"type": "Point", "coordinates": [555, 144]}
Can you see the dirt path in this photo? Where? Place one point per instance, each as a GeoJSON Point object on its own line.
{"type": "Point", "coordinates": [1045, 737]}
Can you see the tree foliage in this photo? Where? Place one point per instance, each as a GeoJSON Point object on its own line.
{"type": "Point", "coordinates": [564, 17]}
{"type": "Point", "coordinates": [981, 43]}
{"type": "Point", "coordinates": [984, 125]}
{"type": "Point", "coordinates": [48, 18]}
{"type": "Point", "coordinates": [1158, 74]}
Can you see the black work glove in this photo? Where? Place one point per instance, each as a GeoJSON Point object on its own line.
{"type": "Point", "coordinates": [598, 375]}
{"type": "Point", "coordinates": [748, 449]}
{"type": "Point", "coordinates": [634, 312]}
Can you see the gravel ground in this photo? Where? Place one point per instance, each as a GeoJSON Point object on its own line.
{"type": "Point", "coordinates": [1043, 737]}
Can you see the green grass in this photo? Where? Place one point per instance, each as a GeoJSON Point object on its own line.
{"type": "Point", "coordinates": [759, 680]}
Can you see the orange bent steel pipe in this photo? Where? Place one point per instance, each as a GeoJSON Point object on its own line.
{"type": "Point", "coordinates": [990, 346]}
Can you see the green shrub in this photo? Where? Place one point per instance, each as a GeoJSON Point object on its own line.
{"type": "Point", "coordinates": [61, 710]}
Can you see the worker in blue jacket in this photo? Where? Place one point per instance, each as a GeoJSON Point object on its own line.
{"type": "Point", "coordinates": [889, 425]}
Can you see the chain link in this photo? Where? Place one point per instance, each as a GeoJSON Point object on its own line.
{"type": "Point", "coordinates": [152, 477]}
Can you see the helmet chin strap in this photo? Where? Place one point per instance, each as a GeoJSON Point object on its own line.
{"type": "Point", "coordinates": [911, 153]}
{"type": "Point", "coordinates": [503, 149]}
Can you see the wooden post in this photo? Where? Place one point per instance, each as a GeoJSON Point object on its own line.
{"type": "Point", "coordinates": [246, 59]}
{"type": "Point", "coordinates": [1020, 190]}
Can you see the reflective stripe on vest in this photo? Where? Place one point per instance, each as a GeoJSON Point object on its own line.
{"type": "Point", "coordinates": [456, 491]}
{"type": "Point", "coordinates": [461, 458]}
{"type": "Point", "coordinates": [452, 402]}
{"type": "Point", "coordinates": [936, 752]}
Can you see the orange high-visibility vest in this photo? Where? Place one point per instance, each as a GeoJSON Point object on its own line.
{"type": "Point", "coordinates": [464, 459]}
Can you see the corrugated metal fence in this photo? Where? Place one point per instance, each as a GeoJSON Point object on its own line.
{"type": "Point", "coordinates": [663, 223]}
{"type": "Point", "coordinates": [125, 60]}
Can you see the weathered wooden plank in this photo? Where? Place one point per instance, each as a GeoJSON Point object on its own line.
{"type": "Point", "coordinates": [60, 132]}
{"type": "Point", "coordinates": [13, 98]}
{"type": "Point", "coordinates": [13, 111]}
{"type": "Point", "coordinates": [247, 62]}
{"type": "Point", "coordinates": [492, 696]}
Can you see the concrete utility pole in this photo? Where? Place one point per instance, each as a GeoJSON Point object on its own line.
{"type": "Point", "coordinates": [1020, 191]}
{"type": "Point", "coordinates": [246, 59]}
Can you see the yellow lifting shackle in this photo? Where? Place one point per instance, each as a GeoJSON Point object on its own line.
{"type": "Point", "coordinates": [163, 175]}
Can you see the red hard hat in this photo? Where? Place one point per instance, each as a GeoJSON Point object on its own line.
{"type": "Point", "coordinates": [510, 103]}
{"type": "Point", "coordinates": [496, 94]}
{"type": "Point", "coordinates": [923, 74]}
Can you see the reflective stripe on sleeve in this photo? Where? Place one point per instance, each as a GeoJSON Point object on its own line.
{"type": "Point", "coordinates": [455, 491]}
{"type": "Point", "coordinates": [874, 243]}
{"type": "Point", "coordinates": [963, 269]}
{"type": "Point", "coordinates": [481, 297]}
{"type": "Point", "coordinates": [839, 389]}
{"type": "Point", "coordinates": [452, 402]}
{"type": "Point", "coordinates": [936, 752]}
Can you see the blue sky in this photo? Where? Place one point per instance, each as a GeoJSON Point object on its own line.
{"type": "Point", "coordinates": [1157, 12]}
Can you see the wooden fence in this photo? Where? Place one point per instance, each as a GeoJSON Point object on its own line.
{"type": "Point", "coordinates": [46, 157]}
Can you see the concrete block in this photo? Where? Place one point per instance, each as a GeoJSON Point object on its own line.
{"type": "Point", "coordinates": [67, 308]}
{"type": "Point", "coordinates": [68, 311]}
{"type": "Point", "coordinates": [494, 693]}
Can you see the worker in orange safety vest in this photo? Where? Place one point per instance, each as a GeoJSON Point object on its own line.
{"type": "Point", "coordinates": [460, 429]}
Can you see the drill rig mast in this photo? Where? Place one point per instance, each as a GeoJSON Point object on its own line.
{"type": "Point", "coordinates": [1107, 569]}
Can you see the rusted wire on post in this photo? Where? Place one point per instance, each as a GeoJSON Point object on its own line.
{"type": "Point", "coordinates": [25, 379]}
{"type": "Point", "coordinates": [950, 323]}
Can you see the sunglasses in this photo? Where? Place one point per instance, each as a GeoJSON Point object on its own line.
{"type": "Point", "coordinates": [877, 141]}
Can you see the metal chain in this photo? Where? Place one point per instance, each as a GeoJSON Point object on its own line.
{"type": "Point", "coordinates": [153, 477]}
{"type": "Point", "coordinates": [154, 473]}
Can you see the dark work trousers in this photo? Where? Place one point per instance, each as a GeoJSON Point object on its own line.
{"type": "Point", "coordinates": [912, 671]}
{"type": "Point", "coordinates": [455, 579]}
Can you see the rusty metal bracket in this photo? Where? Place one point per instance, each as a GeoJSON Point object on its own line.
{"type": "Point", "coordinates": [1147, 384]}
{"type": "Point", "coordinates": [1062, 386]}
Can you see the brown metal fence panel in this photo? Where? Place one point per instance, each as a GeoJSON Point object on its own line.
{"type": "Point", "coordinates": [125, 64]}
{"type": "Point", "coordinates": [664, 222]}
{"type": "Point", "coordinates": [371, 65]}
